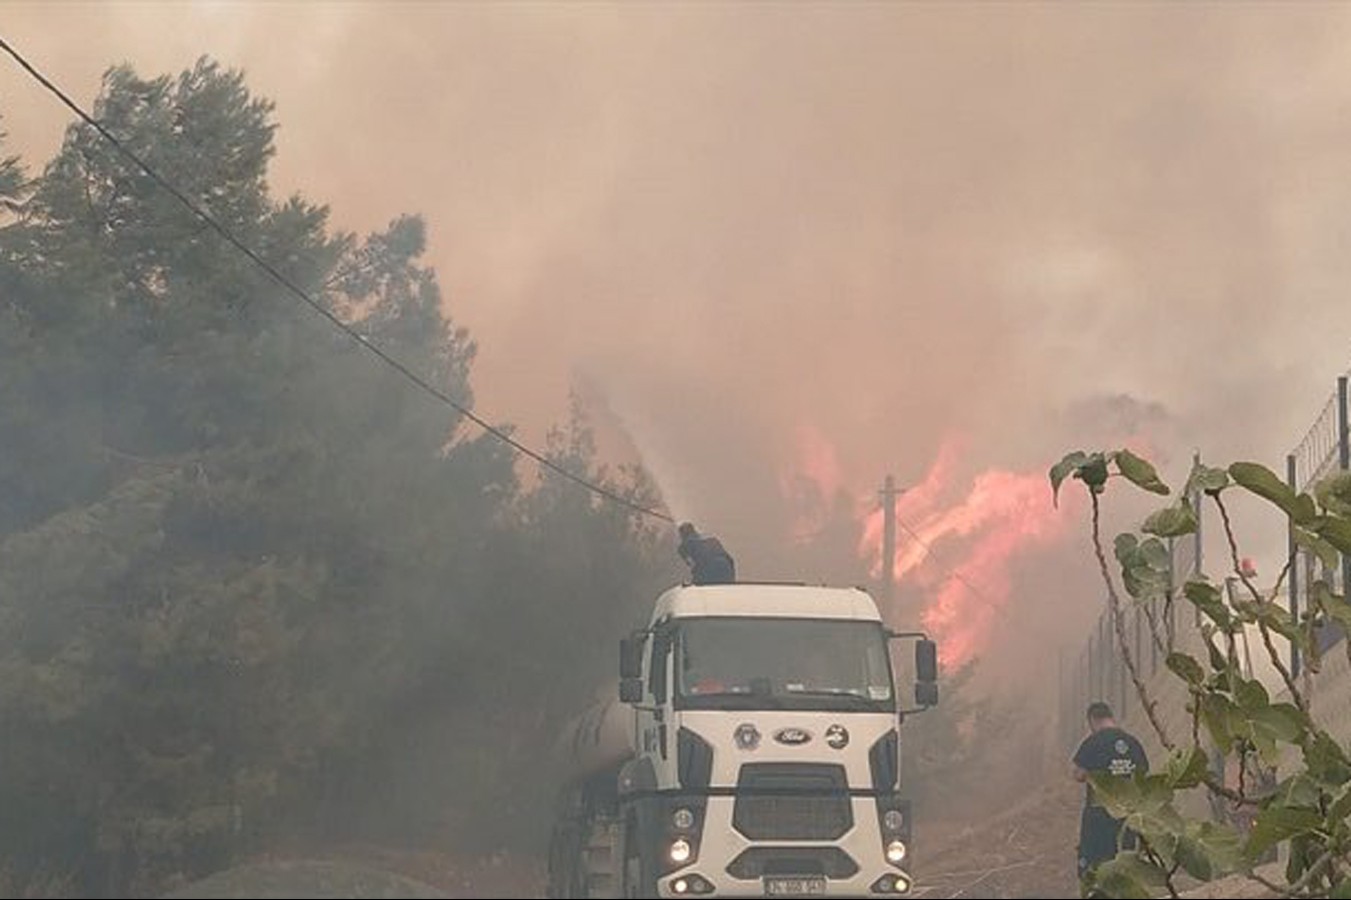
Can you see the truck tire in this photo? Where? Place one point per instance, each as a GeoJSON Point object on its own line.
{"type": "Point", "coordinates": [637, 881]}
{"type": "Point", "coordinates": [601, 861]}
{"type": "Point", "coordinates": [563, 860]}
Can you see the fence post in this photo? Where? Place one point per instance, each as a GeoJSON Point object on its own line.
{"type": "Point", "coordinates": [1121, 676]}
{"type": "Point", "coordinates": [1094, 651]}
{"type": "Point", "coordinates": [1153, 644]}
{"type": "Point", "coordinates": [1292, 478]}
{"type": "Point", "coordinates": [1198, 566]}
{"type": "Point", "coordinates": [1168, 616]}
{"type": "Point", "coordinates": [1104, 654]}
{"type": "Point", "coordinates": [1343, 460]}
{"type": "Point", "coordinates": [1108, 657]}
{"type": "Point", "coordinates": [1062, 685]}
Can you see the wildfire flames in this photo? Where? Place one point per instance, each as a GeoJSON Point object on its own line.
{"type": "Point", "coordinates": [956, 542]}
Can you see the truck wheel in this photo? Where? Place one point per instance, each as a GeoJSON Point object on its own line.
{"type": "Point", "coordinates": [599, 875]}
{"type": "Point", "coordinates": [563, 876]}
{"type": "Point", "coordinates": [637, 882]}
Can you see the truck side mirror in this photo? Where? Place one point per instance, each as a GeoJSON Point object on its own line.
{"type": "Point", "coordinates": [926, 694]}
{"type": "Point", "coordinates": [631, 690]}
{"type": "Point", "coordinates": [630, 658]}
{"type": "Point", "coordinates": [926, 662]}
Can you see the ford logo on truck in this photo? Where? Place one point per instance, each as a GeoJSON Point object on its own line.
{"type": "Point", "coordinates": [792, 736]}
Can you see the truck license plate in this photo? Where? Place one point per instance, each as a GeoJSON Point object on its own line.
{"type": "Point", "coordinates": [794, 887]}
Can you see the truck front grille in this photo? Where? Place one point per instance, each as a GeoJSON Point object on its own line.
{"type": "Point", "coordinates": [756, 862]}
{"type": "Point", "coordinates": [792, 802]}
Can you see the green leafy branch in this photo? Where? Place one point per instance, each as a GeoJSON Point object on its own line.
{"type": "Point", "coordinates": [1308, 809]}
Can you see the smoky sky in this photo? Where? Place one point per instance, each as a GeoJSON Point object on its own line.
{"type": "Point", "coordinates": [1030, 226]}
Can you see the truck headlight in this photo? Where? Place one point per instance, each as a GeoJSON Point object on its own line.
{"type": "Point", "coordinates": [892, 884]}
{"type": "Point", "coordinates": [691, 884]}
{"type": "Point", "coordinates": [895, 852]}
{"type": "Point", "coordinates": [893, 820]}
{"type": "Point", "coordinates": [680, 850]}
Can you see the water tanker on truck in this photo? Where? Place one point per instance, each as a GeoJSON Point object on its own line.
{"type": "Point", "coordinates": [753, 750]}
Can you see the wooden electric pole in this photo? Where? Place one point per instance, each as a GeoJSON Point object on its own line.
{"type": "Point", "coordinates": [889, 493]}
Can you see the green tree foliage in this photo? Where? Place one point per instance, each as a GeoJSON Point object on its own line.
{"type": "Point", "coordinates": [1310, 808]}
{"type": "Point", "coordinates": [252, 585]}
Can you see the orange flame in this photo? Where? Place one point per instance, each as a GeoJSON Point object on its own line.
{"type": "Point", "coordinates": [959, 549]}
{"type": "Point", "coordinates": [961, 553]}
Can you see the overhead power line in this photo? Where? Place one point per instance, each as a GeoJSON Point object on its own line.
{"type": "Point", "coordinates": [890, 520]}
{"type": "Point", "coordinates": [952, 573]}
{"type": "Point", "coordinates": [300, 293]}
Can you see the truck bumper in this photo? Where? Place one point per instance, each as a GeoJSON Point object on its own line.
{"type": "Point", "coordinates": [730, 865]}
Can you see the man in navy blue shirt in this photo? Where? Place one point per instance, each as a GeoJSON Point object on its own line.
{"type": "Point", "coordinates": [709, 561]}
{"type": "Point", "coordinates": [1111, 750]}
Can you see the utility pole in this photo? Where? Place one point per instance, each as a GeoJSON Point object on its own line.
{"type": "Point", "coordinates": [889, 493]}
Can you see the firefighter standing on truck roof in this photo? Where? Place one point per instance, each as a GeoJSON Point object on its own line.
{"type": "Point", "coordinates": [709, 561]}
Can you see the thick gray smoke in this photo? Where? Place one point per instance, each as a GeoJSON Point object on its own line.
{"type": "Point", "coordinates": [1030, 226]}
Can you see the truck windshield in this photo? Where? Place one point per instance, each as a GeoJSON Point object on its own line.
{"type": "Point", "coordinates": [766, 663]}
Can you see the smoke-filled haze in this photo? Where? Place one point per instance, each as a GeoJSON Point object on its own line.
{"type": "Point", "coordinates": [825, 241]}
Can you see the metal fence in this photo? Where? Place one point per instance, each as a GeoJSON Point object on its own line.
{"type": "Point", "coordinates": [1098, 672]}
{"type": "Point", "coordinates": [1317, 453]}
{"type": "Point", "coordinates": [1324, 449]}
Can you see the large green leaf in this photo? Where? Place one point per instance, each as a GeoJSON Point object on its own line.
{"type": "Point", "coordinates": [1334, 606]}
{"type": "Point", "coordinates": [1341, 803]}
{"type": "Point", "coordinates": [1336, 531]}
{"type": "Point", "coordinates": [1063, 469]}
{"type": "Point", "coordinates": [1155, 552]}
{"type": "Point", "coordinates": [1186, 767]}
{"type": "Point", "coordinates": [1279, 723]}
{"type": "Point", "coordinates": [1318, 546]}
{"type": "Point", "coordinates": [1144, 582]}
{"type": "Point", "coordinates": [1093, 472]}
{"type": "Point", "coordinates": [1280, 823]}
{"type": "Point", "coordinates": [1304, 511]}
{"type": "Point", "coordinates": [1264, 483]}
{"type": "Point", "coordinates": [1326, 761]}
{"type": "Point", "coordinates": [1221, 844]}
{"type": "Point", "coordinates": [1156, 792]}
{"type": "Point", "coordinates": [1251, 695]}
{"type": "Point", "coordinates": [1172, 521]}
{"type": "Point", "coordinates": [1222, 720]}
{"type": "Point", "coordinates": [1194, 859]}
{"type": "Point", "coordinates": [1129, 875]}
{"type": "Point", "coordinates": [1140, 472]}
{"type": "Point", "coordinates": [1207, 598]}
{"type": "Point", "coordinates": [1205, 479]}
{"type": "Point", "coordinates": [1334, 493]}
{"type": "Point", "coordinates": [1144, 565]}
{"type": "Point", "coordinates": [1297, 790]}
{"type": "Point", "coordinates": [1218, 661]}
{"type": "Point", "coordinates": [1274, 617]}
{"type": "Point", "coordinates": [1187, 667]}
{"type": "Point", "coordinates": [1146, 805]}
{"type": "Point", "coordinates": [1300, 856]}
{"type": "Point", "coordinates": [1119, 796]}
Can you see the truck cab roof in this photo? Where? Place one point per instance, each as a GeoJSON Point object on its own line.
{"type": "Point", "coordinates": [766, 600]}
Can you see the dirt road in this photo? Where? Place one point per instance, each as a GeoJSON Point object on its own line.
{"type": "Point", "coordinates": [1026, 850]}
